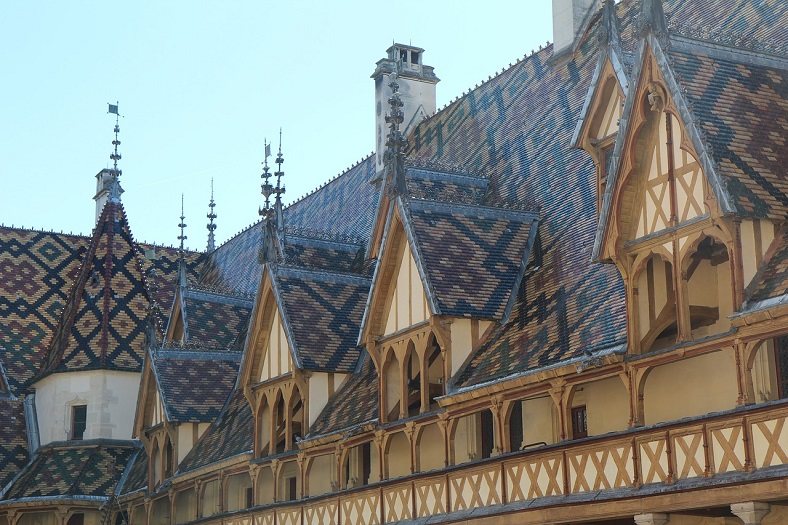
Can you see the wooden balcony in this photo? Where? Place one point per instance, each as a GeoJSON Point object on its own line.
{"type": "Point", "coordinates": [707, 449]}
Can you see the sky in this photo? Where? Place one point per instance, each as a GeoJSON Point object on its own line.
{"type": "Point", "coordinates": [201, 84]}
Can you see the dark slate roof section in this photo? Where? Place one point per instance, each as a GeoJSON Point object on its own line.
{"type": "Point", "coordinates": [318, 251]}
{"type": "Point", "coordinates": [472, 256]}
{"type": "Point", "coordinates": [343, 206]}
{"type": "Point", "coordinates": [136, 473]}
{"type": "Point", "coordinates": [195, 385]}
{"type": "Point", "coordinates": [230, 435]}
{"type": "Point", "coordinates": [73, 470]}
{"type": "Point", "coordinates": [323, 313]}
{"type": "Point", "coordinates": [771, 281]}
{"type": "Point", "coordinates": [36, 270]}
{"type": "Point", "coordinates": [214, 319]}
{"type": "Point", "coordinates": [355, 402]}
{"type": "Point", "coordinates": [13, 436]}
{"type": "Point", "coordinates": [445, 186]}
{"type": "Point", "coordinates": [728, 99]}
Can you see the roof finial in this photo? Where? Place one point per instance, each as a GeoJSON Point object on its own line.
{"type": "Point", "coordinates": [182, 237]}
{"type": "Point", "coordinates": [114, 184]}
{"type": "Point", "coordinates": [609, 34]}
{"type": "Point", "coordinates": [211, 226]}
{"type": "Point", "coordinates": [267, 251]}
{"type": "Point", "coordinates": [396, 142]}
{"type": "Point", "coordinates": [279, 173]}
{"type": "Point", "coordinates": [266, 188]}
{"type": "Point", "coordinates": [652, 18]}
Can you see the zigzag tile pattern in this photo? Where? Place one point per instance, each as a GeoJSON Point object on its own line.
{"type": "Point", "coordinates": [195, 385]}
{"type": "Point", "coordinates": [13, 435]}
{"type": "Point", "coordinates": [229, 436]}
{"type": "Point", "coordinates": [354, 403]}
{"type": "Point", "coordinates": [79, 469]}
{"type": "Point", "coordinates": [324, 311]}
{"type": "Point", "coordinates": [307, 253]}
{"type": "Point", "coordinates": [213, 323]}
{"type": "Point", "coordinates": [728, 100]}
{"type": "Point", "coordinates": [344, 205]}
{"type": "Point", "coordinates": [472, 256]}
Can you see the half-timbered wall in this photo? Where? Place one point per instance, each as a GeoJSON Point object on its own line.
{"type": "Point", "coordinates": [408, 303]}
{"type": "Point", "coordinates": [756, 237]}
{"type": "Point", "coordinates": [277, 360]}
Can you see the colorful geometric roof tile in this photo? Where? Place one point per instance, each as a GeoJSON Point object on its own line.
{"type": "Point", "coordinates": [194, 386]}
{"type": "Point", "coordinates": [213, 319]}
{"type": "Point", "coordinates": [136, 472]}
{"type": "Point", "coordinates": [322, 310]}
{"type": "Point", "coordinates": [103, 322]}
{"type": "Point", "coordinates": [73, 470]}
{"type": "Point", "coordinates": [13, 437]}
{"type": "Point", "coordinates": [728, 97]}
{"type": "Point", "coordinates": [230, 435]}
{"type": "Point", "coordinates": [771, 281]}
{"type": "Point", "coordinates": [355, 403]}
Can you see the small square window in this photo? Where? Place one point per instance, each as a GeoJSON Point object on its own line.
{"type": "Point", "coordinates": [79, 421]}
{"type": "Point", "coordinates": [414, 57]}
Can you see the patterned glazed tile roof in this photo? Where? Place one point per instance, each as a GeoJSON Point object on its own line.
{"type": "Point", "coordinates": [103, 320]}
{"type": "Point", "coordinates": [214, 319]}
{"type": "Point", "coordinates": [345, 205]}
{"type": "Point", "coordinates": [36, 271]}
{"type": "Point", "coordinates": [474, 257]}
{"type": "Point", "coordinates": [13, 437]}
{"type": "Point", "coordinates": [230, 435]}
{"type": "Point", "coordinates": [435, 185]}
{"type": "Point", "coordinates": [305, 251]}
{"type": "Point", "coordinates": [87, 468]}
{"type": "Point", "coordinates": [195, 385]}
{"type": "Point", "coordinates": [729, 99]}
{"type": "Point", "coordinates": [771, 281]}
{"type": "Point", "coordinates": [323, 311]}
{"type": "Point", "coordinates": [137, 472]}
{"type": "Point", "coordinates": [355, 402]}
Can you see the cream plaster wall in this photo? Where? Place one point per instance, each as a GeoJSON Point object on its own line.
{"type": "Point", "coordinates": [539, 421]}
{"type": "Point", "coordinates": [277, 360]}
{"type": "Point", "coordinates": [210, 498]}
{"type": "Point", "coordinates": [265, 486]}
{"type": "Point", "coordinates": [711, 286]}
{"type": "Point", "coordinates": [111, 398]}
{"type": "Point", "coordinates": [398, 456]}
{"type": "Point", "coordinates": [185, 506]}
{"type": "Point", "coordinates": [691, 387]}
{"type": "Point", "coordinates": [321, 385]}
{"type": "Point", "coordinates": [461, 343]}
{"type": "Point", "coordinates": [431, 448]}
{"type": "Point", "coordinates": [607, 405]}
{"type": "Point", "coordinates": [289, 470]}
{"type": "Point", "coordinates": [753, 249]}
{"type": "Point", "coordinates": [322, 474]}
{"type": "Point", "coordinates": [37, 518]}
{"type": "Point", "coordinates": [236, 491]}
{"type": "Point", "coordinates": [467, 442]}
{"type": "Point", "coordinates": [409, 303]}
{"type": "Point", "coordinates": [186, 434]}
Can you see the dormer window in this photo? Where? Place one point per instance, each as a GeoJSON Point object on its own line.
{"type": "Point", "coordinates": [79, 421]}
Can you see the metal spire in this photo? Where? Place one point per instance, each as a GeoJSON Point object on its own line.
{"type": "Point", "coordinates": [267, 251]}
{"type": "Point", "coordinates": [396, 142]}
{"type": "Point", "coordinates": [279, 174]}
{"type": "Point", "coordinates": [211, 226]}
{"type": "Point", "coordinates": [182, 237]}
{"type": "Point", "coordinates": [114, 184]}
{"type": "Point", "coordinates": [265, 188]}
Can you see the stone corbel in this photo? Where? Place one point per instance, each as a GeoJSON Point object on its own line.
{"type": "Point", "coordinates": [751, 512]}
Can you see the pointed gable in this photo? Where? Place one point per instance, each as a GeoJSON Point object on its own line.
{"type": "Point", "coordinates": [103, 322]}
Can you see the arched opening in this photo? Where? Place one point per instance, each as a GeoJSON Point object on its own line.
{"type": "Point", "coordinates": [167, 458]}
{"type": "Point", "coordinates": [434, 365]}
{"type": "Point", "coordinates": [321, 475]}
{"type": "Point", "coordinates": [709, 288]}
{"type": "Point", "coordinates": [297, 420]}
{"type": "Point", "coordinates": [264, 428]}
{"type": "Point", "coordinates": [265, 486]}
{"type": "Point", "coordinates": [280, 423]}
{"type": "Point", "coordinates": [430, 449]}
{"type": "Point", "coordinates": [160, 512]}
{"type": "Point", "coordinates": [361, 465]}
{"type": "Point", "coordinates": [138, 516]}
{"type": "Point", "coordinates": [210, 498]}
{"type": "Point", "coordinates": [413, 380]}
{"type": "Point", "coordinates": [156, 464]}
{"type": "Point", "coordinates": [289, 482]}
{"type": "Point", "coordinates": [473, 437]}
{"type": "Point", "coordinates": [37, 518]}
{"type": "Point", "coordinates": [656, 304]}
{"type": "Point", "coordinates": [392, 389]}
{"type": "Point", "coordinates": [599, 407]}
{"type": "Point", "coordinates": [185, 506]}
{"type": "Point", "coordinates": [398, 455]}
{"type": "Point", "coordinates": [239, 492]}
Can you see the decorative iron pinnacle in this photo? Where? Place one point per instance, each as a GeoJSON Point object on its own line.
{"type": "Point", "coordinates": [396, 142]}
{"type": "Point", "coordinates": [266, 188]}
{"type": "Point", "coordinates": [279, 173]}
{"type": "Point", "coordinates": [114, 185]}
{"type": "Point", "coordinates": [182, 237]}
{"type": "Point", "coordinates": [211, 226]}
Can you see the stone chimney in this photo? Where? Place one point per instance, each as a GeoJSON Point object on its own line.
{"type": "Point", "coordinates": [416, 87]}
{"type": "Point", "coordinates": [104, 179]}
{"type": "Point", "coordinates": [570, 19]}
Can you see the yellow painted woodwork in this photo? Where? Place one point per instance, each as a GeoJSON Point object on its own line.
{"type": "Point", "coordinates": [407, 302]}
{"type": "Point", "coordinates": [609, 110]}
{"type": "Point", "coordinates": [158, 410]}
{"type": "Point", "coordinates": [655, 209]}
{"type": "Point", "coordinates": [656, 306]}
{"type": "Point", "coordinates": [756, 237]}
{"type": "Point", "coordinates": [277, 359]}
{"type": "Point", "coordinates": [691, 387]}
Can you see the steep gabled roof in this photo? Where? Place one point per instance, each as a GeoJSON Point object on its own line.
{"type": "Point", "coordinates": [213, 319]}
{"type": "Point", "coordinates": [76, 470]}
{"type": "Point", "coordinates": [194, 384]}
{"type": "Point", "coordinates": [771, 280]}
{"type": "Point", "coordinates": [103, 321]}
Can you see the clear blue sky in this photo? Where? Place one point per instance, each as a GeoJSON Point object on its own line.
{"type": "Point", "coordinates": [200, 84]}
